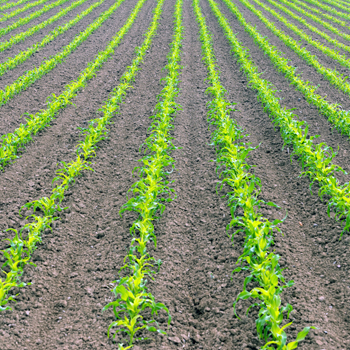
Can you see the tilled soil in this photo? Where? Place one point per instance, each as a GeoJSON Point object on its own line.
{"type": "Point", "coordinates": [83, 254]}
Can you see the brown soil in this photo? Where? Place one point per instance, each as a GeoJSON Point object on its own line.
{"type": "Point", "coordinates": [82, 255]}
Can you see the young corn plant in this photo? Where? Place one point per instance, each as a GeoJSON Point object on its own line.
{"type": "Point", "coordinates": [338, 117]}
{"type": "Point", "coordinates": [10, 143]}
{"type": "Point", "coordinates": [11, 63]}
{"type": "Point", "coordinates": [316, 160]}
{"type": "Point", "coordinates": [22, 21]}
{"type": "Point", "coordinates": [19, 253]}
{"type": "Point", "coordinates": [150, 192]}
{"type": "Point", "coordinates": [257, 257]}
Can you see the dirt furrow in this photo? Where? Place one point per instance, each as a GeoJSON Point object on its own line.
{"type": "Point", "coordinates": [83, 253]}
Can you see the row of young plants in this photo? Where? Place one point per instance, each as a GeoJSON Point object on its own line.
{"type": "Point", "coordinates": [338, 117]}
{"type": "Point", "coordinates": [5, 16]}
{"type": "Point", "coordinates": [8, 5]}
{"type": "Point", "coordinates": [150, 193]}
{"type": "Point", "coordinates": [22, 21]}
{"type": "Point", "coordinates": [21, 248]}
{"type": "Point", "coordinates": [324, 7]}
{"type": "Point", "coordinates": [316, 160]}
{"type": "Point", "coordinates": [344, 2]}
{"type": "Point", "coordinates": [22, 56]}
{"type": "Point", "coordinates": [332, 75]}
{"type": "Point", "coordinates": [325, 15]}
{"type": "Point", "coordinates": [3, 1]}
{"type": "Point", "coordinates": [341, 59]}
{"type": "Point", "coordinates": [311, 27]}
{"type": "Point", "coordinates": [46, 66]}
{"type": "Point", "coordinates": [258, 257]}
{"type": "Point", "coordinates": [336, 4]}
{"type": "Point", "coordinates": [11, 142]}
{"type": "Point", "coordinates": [4, 45]}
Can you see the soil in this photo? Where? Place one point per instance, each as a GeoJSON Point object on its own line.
{"type": "Point", "coordinates": [79, 259]}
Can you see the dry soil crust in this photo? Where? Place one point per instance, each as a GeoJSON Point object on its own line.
{"type": "Point", "coordinates": [78, 260]}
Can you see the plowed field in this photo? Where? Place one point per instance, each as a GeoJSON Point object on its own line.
{"type": "Point", "coordinates": [81, 253]}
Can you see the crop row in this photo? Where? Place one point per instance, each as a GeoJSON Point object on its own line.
{"type": "Point", "coordinates": [20, 251]}
{"type": "Point", "coordinates": [337, 4]}
{"type": "Point", "coordinates": [257, 258]}
{"type": "Point", "coordinates": [325, 15]}
{"type": "Point", "coordinates": [5, 16]}
{"type": "Point", "coordinates": [329, 9]}
{"type": "Point", "coordinates": [316, 160]}
{"type": "Point", "coordinates": [159, 144]}
{"type": "Point", "coordinates": [317, 20]}
{"type": "Point", "coordinates": [27, 79]}
{"type": "Point", "coordinates": [11, 142]}
{"type": "Point", "coordinates": [13, 62]}
{"type": "Point", "coordinates": [338, 117]}
{"type": "Point", "coordinates": [153, 189]}
{"type": "Point", "coordinates": [311, 27]}
{"type": "Point", "coordinates": [341, 59]}
{"type": "Point", "coordinates": [8, 5]}
{"type": "Point", "coordinates": [345, 3]}
{"type": "Point", "coordinates": [22, 21]}
{"type": "Point", "coordinates": [4, 45]}
{"type": "Point", "coordinates": [150, 192]}
{"type": "Point", "coordinates": [3, 1]}
{"type": "Point", "coordinates": [335, 78]}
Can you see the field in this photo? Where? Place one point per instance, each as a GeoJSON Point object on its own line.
{"type": "Point", "coordinates": [166, 166]}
